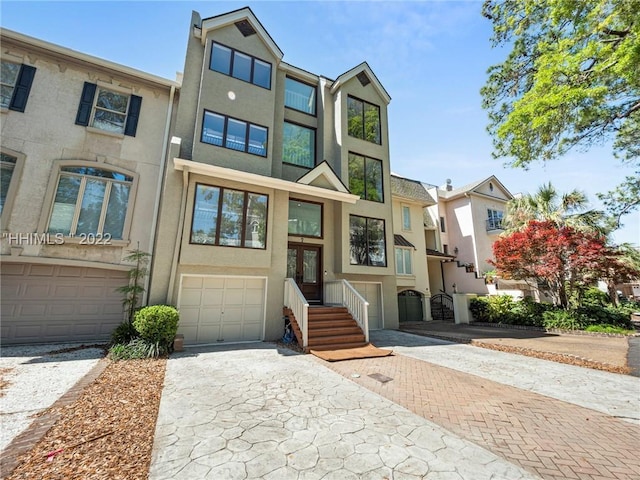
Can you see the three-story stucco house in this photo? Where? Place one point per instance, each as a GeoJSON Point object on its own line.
{"type": "Point", "coordinates": [83, 147]}
{"type": "Point", "coordinates": [469, 220]}
{"type": "Point", "coordinates": [411, 236]}
{"type": "Point", "coordinates": [277, 192]}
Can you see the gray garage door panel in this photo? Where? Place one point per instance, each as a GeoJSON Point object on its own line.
{"type": "Point", "coordinates": [58, 303]}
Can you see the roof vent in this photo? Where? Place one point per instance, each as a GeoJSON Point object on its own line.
{"type": "Point", "coordinates": [245, 28]}
{"type": "Point", "coordinates": [364, 79]}
{"type": "Point", "coordinates": [449, 187]}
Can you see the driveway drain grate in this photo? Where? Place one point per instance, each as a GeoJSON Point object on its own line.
{"type": "Point", "coordinates": [381, 378]}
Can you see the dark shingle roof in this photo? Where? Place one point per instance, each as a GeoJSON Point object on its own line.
{"type": "Point", "coordinates": [400, 241]}
{"type": "Point", "coordinates": [410, 189]}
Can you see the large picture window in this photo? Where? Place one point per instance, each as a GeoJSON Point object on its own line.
{"type": "Point", "coordinates": [367, 241]}
{"type": "Point", "coordinates": [305, 219]}
{"type": "Point", "coordinates": [365, 177]}
{"type": "Point", "coordinates": [299, 145]}
{"type": "Point", "coordinates": [300, 96]}
{"type": "Point", "coordinates": [240, 65]}
{"type": "Point", "coordinates": [226, 217]}
{"type": "Point", "coordinates": [90, 200]}
{"type": "Point", "coordinates": [363, 120]}
{"type": "Point", "coordinates": [235, 134]}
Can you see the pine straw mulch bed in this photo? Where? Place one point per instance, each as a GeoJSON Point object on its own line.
{"type": "Point", "coordinates": [107, 433]}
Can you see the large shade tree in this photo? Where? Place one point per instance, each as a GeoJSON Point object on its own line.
{"type": "Point", "coordinates": [571, 79]}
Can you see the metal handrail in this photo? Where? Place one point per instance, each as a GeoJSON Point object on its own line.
{"type": "Point", "coordinates": [294, 300]}
{"type": "Point", "coordinates": [341, 292]}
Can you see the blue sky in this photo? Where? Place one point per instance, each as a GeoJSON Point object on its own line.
{"type": "Point", "coordinates": [431, 56]}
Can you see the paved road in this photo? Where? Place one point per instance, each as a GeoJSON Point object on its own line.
{"type": "Point", "coordinates": [447, 412]}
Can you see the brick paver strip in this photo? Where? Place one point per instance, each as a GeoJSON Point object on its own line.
{"type": "Point", "coordinates": [41, 425]}
{"type": "Point", "coordinates": [548, 437]}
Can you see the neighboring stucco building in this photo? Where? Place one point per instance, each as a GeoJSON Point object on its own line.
{"type": "Point", "coordinates": [274, 173]}
{"type": "Point", "coordinates": [410, 200]}
{"type": "Point", "coordinates": [469, 220]}
{"type": "Point", "coordinates": [82, 156]}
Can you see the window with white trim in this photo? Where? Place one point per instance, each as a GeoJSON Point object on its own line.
{"type": "Point", "coordinates": [8, 164]}
{"type": "Point", "coordinates": [406, 218]}
{"type": "Point", "coordinates": [108, 110]}
{"type": "Point", "coordinates": [15, 85]}
{"type": "Point", "coordinates": [90, 200]}
{"type": "Point", "coordinates": [403, 261]}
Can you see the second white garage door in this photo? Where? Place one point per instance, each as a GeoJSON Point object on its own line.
{"type": "Point", "coordinates": [217, 309]}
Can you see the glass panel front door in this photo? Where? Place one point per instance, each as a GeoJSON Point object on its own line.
{"type": "Point", "coordinates": [304, 265]}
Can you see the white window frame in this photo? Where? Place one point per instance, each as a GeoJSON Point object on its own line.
{"type": "Point", "coordinates": [95, 108]}
{"type": "Point", "coordinates": [52, 190]}
{"type": "Point", "coordinates": [406, 217]}
{"type": "Point", "coordinates": [407, 253]}
{"type": "Point", "coordinates": [12, 86]}
{"type": "Point", "coordinates": [16, 174]}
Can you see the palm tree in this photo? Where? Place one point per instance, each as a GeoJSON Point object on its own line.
{"type": "Point", "coordinates": [566, 210]}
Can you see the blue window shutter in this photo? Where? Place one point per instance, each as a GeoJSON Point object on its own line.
{"type": "Point", "coordinates": [86, 103]}
{"type": "Point", "coordinates": [132, 117]}
{"type": "Point", "coordinates": [22, 88]}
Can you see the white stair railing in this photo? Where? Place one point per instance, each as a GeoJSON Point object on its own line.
{"type": "Point", "coordinates": [341, 292]}
{"type": "Point", "coordinates": [294, 300]}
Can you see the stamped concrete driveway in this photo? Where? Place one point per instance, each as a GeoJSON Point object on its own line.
{"type": "Point", "coordinates": [255, 411]}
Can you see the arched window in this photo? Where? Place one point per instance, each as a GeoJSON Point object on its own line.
{"type": "Point", "coordinates": [90, 200]}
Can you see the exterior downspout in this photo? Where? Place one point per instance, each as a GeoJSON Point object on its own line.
{"type": "Point", "coordinates": [178, 245]}
{"type": "Point", "coordinates": [156, 207]}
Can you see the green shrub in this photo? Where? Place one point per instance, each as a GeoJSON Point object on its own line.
{"type": "Point", "coordinates": [157, 324]}
{"type": "Point", "coordinates": [123, 334]}
{"type": "Point", "coordinates": [136, 348]}
{"type": "Point", "coordinates": [595, 297]}
{"type": "Point", "coordinates": [479, 308]}
{"type": "Point", "coordinates": [608, 315]}
{"type": "Point", "coordinates": [563, 320]}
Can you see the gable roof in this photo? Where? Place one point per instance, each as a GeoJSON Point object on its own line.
{"type": "Point", "coordinates": [410, 190]}
{"type": "Point", "coordinates": [363, 67]}
{"type": "Point", "coordinates": [323, 176]}
{"type": "Point", "coordinates": [472, 188]}
{"type": "Point", "coordinates": [219, 21]}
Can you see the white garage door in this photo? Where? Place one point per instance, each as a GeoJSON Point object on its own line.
{"type": "Point", "coordinates": [371, 293]}
{"type": "Point", "coordinates": [221, 309]}
{"type": "Point", "coordinates": [58, 303]}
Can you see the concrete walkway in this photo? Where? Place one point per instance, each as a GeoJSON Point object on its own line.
{"type": "Point", "coordinates": [434, 410]}
{"type": "Point", "coordinates": [254, 411]}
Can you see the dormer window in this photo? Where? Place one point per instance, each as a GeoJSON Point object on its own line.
{"type": "Point", "coordinates": [240, 65]}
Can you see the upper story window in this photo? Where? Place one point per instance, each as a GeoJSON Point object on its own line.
{"type": "Point", "coordinates": [367, 244]}
{"type": "Point", "coordinates": [494, 219]}
{"type": "Point", "coordinates": [406, 217]}
{"type": "Point", "coordinates": [90, 200]}
{"type": "Point", "coordinates": [442, 225]}
{"type": "Point", "coordinates": [365, 177]}
{"type": "Point", "coordinates": [299, 145]}
{"type": "Point", "coordinates": [305, 218]}
{"type": "Point", "coordinates": [109, 110]}
{"type": "Point", "coordinates": [363, 120]}
{"type": "Point", "coordinates": [8, 165]}
{"type": "Point", "coordinates": [240, 65]}
{"type": "Point", "coordinates": [230, 218]}
{"type": "Point", "coordinates": [403, 261]}
{"type": "Point", "coordinates": [15, 85]}
{"type": "Point", "coordinates": [235, 134]}
{"type": "Point", "coordinates": [300, 96]}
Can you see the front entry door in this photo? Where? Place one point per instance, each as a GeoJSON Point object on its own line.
{"type": "Point", "coordinates": [304, 264]}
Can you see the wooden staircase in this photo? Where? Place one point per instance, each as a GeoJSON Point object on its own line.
{"type": "Point", "coordinates": [330, 328]}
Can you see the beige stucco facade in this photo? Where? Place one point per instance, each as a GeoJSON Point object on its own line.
{"type": "Point", "coordinates": [194, 162]}
{"type": "Point", "coordinates": [44, 138]}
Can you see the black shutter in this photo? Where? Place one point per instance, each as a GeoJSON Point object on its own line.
{"type": "Point", "coordinates": [22, 88]}
{"type": "Point", "coordinates": [132, 117]}
{"type": "Point", "coordinates": [86, 103]}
